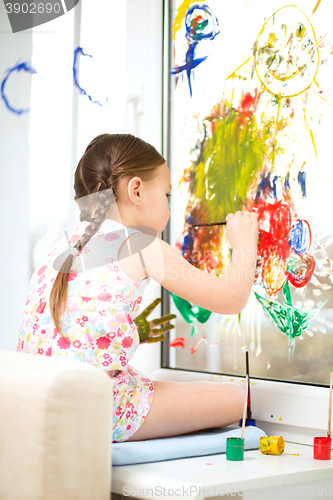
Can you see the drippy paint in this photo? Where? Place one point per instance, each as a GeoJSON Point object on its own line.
{"type": "Point", "coordinates": [284, 241]}
{"type": "Point", "coordinates": [190, 312]}
{"type": "Point", "coordinates": [203, 339]}
{"type": "Point", "coordinates": [301, 177]}
{"type": "Point", "coordinates": [286, 318]}
{"type": "Point", "coordinates": [245, 158]}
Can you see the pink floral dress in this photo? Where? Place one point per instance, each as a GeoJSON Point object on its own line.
{"type": "Point", "coordinates": [98, 322]}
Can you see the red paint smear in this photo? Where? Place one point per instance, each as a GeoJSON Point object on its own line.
{"type": "Point", "coordinates": [203, 339]}
{"type": "Point", "coordinates": [275, 217]}
{"type": "Point", "coordinates": [274, 220]}
{"type": "Point", "coordinates": [178, 342]}
{"type": "Point", "coordinates": [267, 246]}
{"type": "Point", "coordinates": [195, 347]}
{"type": "Point", "coordinates": [249, 103]}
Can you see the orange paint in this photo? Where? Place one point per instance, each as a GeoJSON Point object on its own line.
{"type": "Point", "coordinates": [274, 274]}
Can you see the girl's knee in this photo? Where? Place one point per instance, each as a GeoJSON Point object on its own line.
{"type": "Point", "coordinates": [236, 397]}
{"type": "Point", "coordinates": [234, 388]}
{"type": "Point", "coordinates": [239, 389]}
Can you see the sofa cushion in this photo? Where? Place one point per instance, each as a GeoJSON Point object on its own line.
{"type": "Point", "coordinates": [55, 429]}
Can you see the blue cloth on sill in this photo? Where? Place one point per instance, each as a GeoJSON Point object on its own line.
{"type": "Point", "coordinates": [205, 442]}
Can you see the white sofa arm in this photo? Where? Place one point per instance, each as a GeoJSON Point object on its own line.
{"type": "Point", "coordinates": [55, 429]}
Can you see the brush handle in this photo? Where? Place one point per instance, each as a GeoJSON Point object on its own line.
{"type": "Point", "coordinates": [330, 406]}
{"type": "Point", "coordinates": [248, 383]}
{"type": "Point", "coordinates": [210, 224]}
{"type": "Point", "coordinates": [245, 405]}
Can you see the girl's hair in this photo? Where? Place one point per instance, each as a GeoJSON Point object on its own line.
{"type": "Point", "coordinates": [107, 159]}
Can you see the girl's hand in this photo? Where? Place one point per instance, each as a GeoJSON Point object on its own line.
{"type": "Point", "coordinates": [242, 229]}
{"type": "Point", "coordinates": [147, 333]}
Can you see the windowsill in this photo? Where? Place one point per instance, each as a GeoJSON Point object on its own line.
{"type": "Point", "coordinates": [214, 475]}
{"type": "Point", "coordinates": [265, 476]}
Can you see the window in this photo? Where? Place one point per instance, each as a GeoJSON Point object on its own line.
{"type": "Point", "coordinates": [249, 124]}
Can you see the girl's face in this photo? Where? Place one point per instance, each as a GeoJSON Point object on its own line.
{"type": "Point", "coordinates": [155, 202]}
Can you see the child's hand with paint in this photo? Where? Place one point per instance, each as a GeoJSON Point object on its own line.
{"type": "Point", "coordinates": [242, 230]}
{"type": "Point", "coordinates": [147, 330]}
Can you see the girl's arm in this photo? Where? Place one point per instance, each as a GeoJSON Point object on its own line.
{"type": "Point", "coordinates": [227, 295]}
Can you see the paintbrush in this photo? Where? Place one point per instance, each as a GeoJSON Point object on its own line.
{"type": "Point", "coordinates": [330, 406]}
{"type": "Point", "coordinates": [249, 420]}
{"type": "Point", "coordinates": [210, 224]}
{"type": "Point", "coordinates": [248, 382]}
{"type": "Point", "coordinates": [245, 405]}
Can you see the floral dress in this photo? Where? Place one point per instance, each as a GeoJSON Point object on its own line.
{"type": "Point", "coordinates": [97, 325]}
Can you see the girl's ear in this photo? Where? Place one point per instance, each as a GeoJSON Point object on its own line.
{"type": "Point", "coordinates": [134, 190]}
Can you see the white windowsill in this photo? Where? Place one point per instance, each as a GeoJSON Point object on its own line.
{"type": "Point", "coordinates": [259, 475]}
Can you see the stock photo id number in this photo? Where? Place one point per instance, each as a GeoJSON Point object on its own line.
{"type": "Point", "coordinates": [24, 15]}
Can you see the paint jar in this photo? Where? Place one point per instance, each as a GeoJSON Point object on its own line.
{"type": "Point", "coordinates": [322, 448]}
{"type": "Point", "coordinates": [235, 448]}
{"type": "Point", "coordinates": [271, 445]}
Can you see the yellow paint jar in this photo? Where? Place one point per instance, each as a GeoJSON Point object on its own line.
{"type": "Point", "coordinates": [271, 445]}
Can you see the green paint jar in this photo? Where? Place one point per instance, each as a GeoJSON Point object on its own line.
{"type": "Point", "coordinates": [235, 449]}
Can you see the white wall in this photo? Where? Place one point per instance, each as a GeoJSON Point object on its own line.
{"type": "Point", "coordinates": [14, 183]}
{"type": "Point", "coordinates": [144, 79]}
{"type": "Point", "coordinates": [137, 109]}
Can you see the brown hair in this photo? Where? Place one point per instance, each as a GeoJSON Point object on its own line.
{"type": "Point", "coordinates": [107, 159]}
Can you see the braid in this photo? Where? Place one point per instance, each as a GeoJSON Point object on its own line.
{"type": "Point", "coordinates": [85, 215]}
{"type": "Point", "coordinates": [96, 221]}
{"type": "Point", "coordinates": [58, 294]}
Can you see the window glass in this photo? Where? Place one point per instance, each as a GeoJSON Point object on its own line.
{"type": "Point", "coordinates": [250, 126]}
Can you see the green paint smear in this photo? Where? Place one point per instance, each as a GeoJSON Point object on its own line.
{"type": "Point", "coordinates": [190, 312]}
{"type": "Point", "coordinates": [229, 161]}
{"type": "Point", "coordinates": [286, 318]}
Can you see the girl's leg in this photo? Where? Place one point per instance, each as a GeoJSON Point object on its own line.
{"type": "Point", "coordinates": [182, 407]}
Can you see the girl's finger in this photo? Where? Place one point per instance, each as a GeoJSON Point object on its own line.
{"type": "Point", "coordinates": [163, 319]}
{"type": "Point", "coordinates": [165, 328]}
{"type": "Point", "coordinates": [151, 307]}
{"type": "Point", "coordinates": [228, 217]}
{"type": "Point", "coordinates": [158, 338]}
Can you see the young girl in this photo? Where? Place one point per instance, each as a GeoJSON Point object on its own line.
{"type": "Point", "coordinates": [84, 309]}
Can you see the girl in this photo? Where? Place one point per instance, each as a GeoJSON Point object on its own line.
{"type": "Point", "coordinates": [83, 300]}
